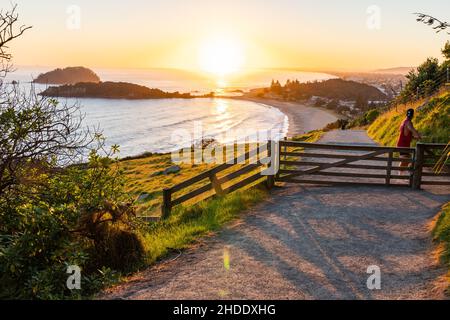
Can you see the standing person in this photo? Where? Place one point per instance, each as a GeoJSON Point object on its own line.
{"type": "Point", "coordinates": [407, 132]}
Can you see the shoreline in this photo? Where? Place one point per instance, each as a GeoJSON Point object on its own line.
{"type": "Point", "coordinates": [302, 117]}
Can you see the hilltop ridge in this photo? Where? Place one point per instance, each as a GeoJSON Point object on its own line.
{"type": "Point", "coordinates": [69, 75]}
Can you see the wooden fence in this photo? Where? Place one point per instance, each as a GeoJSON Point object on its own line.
{"type": "Point", "coordinates": [315, 163]}
{"type": "Point", "coordinates": [238, 173]}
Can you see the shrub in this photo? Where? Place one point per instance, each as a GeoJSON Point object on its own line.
{"type": "Point", "coordinates": [366, 119]}
{"type": "Point", "coordinates": [80, 216]}
{"type": "Point", "coordinates": [371, 115]}
{"type": "Point", "coordinates": [54, 212]}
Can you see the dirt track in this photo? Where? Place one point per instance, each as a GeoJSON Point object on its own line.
{"type": "Point", "coordinates": [311, 243]}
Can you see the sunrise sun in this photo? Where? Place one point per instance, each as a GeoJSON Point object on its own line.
{"type": "Point", "coordinates": [221, 56]}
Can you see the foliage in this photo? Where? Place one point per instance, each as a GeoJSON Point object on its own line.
{"type": "Point", "coordinates": [437, 24]}
{"type": "Point", "coordinates": [446, 50]}
{"type": "Point", "coordinates": [77, 216]}
{"type": "Point", "coordinates": [367, 118]}
{"type": "Point", "coordinates": [422, 79]}
{"type": "Point", "coordinates": [55, 212]}
{"type": "Point", "coordinates": [35, 133]}
{"type": "Point", "coordinates": [427, 79]}
{"type": "Point", "coordinates": [9, 30]}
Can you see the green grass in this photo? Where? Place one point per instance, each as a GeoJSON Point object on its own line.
{"type": "Point", "coordinates": [310, 137]}
{"type": "Point", "coordinates": [187, 224]}
{"type": "Point", "coordinates": [141, 178]}
{"type": "Point", "coordinates": [441, 234]}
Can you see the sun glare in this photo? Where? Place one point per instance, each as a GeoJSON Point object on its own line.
{"type": "Point", "coordinates": [221, 56]}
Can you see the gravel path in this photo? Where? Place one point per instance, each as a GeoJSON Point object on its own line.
{"type": "Point", "coordinates": [310, 243]}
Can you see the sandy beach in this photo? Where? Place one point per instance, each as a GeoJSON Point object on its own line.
{"type": "Point", "coordinates": [302, 118]}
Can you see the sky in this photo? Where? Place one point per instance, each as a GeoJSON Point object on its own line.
{"type": "Point", "coordinates": [321, 34]}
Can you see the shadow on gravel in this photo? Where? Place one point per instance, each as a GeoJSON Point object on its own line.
{"type": "Point", "coordinates": [322, 240]}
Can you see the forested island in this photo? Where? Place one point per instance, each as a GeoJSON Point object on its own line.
{"type": "Point", "coordinates": [70, 75]}
{"type": "Point", "coordinates": [113, 90]}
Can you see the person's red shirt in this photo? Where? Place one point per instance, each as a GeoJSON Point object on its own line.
{"type": "Point", "coordinates": [405, 137]}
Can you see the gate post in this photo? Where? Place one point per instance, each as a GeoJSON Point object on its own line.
{"type": "Point", "coordinates": [278, 158]}
{"type": "Point", "coordinates": [270, 178]}
{"type": "Point", "coordinates": [418, 166]}
{"type": "Point", "coordinates": [167, 203]}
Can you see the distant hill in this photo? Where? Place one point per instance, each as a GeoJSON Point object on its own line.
{"type": "Point", "coordinates": [111, 90]}
{"type": "Point", "coordinates": [336, 89]}
{"type": "Point", "coordinates": [70, 75]}
{"type": "Point", "coordinates": [399, 70]}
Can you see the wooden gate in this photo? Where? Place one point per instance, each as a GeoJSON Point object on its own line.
{"type": "Point", "coordinates": [336, 164]}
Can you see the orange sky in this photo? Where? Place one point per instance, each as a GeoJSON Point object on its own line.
{"type": "Point", "coordinates": [323, 34]}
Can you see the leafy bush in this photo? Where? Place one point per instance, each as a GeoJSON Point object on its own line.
{"type": "Point", "coordinates": [55, 213]}
{"type": "Point", "coordinates": [78, 216]}
{"type": "Point", "coordinates": [338, 124]}
{"type": "Point", "coordinates": [367, 118]}
{"type": "Point", "coordinates": [427, 79]}
{"type": "Point", "coordinates": [371, 115]}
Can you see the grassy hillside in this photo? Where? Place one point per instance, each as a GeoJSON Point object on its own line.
{"type": "Point", "coordinates": [432, 120]}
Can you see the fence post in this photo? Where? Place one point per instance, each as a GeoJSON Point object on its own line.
{"type": "Point", "coordinates": [270, 178]}
{"type": "Point", "coordinates": [277, 175]}
{"type": "Point", "coordinates": [167, 203]}
{"type": "Point", "coordinates": [389, 169]}
{"type": "Point", "coordinates": [285, 149]}
{"type": "Point", "coordinates": [418, 166]}
{"type": "Point", "coordinates": [216, 185]}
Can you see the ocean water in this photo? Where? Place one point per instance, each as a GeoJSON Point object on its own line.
{"type": "Point", "coordinates": [163, 125]}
